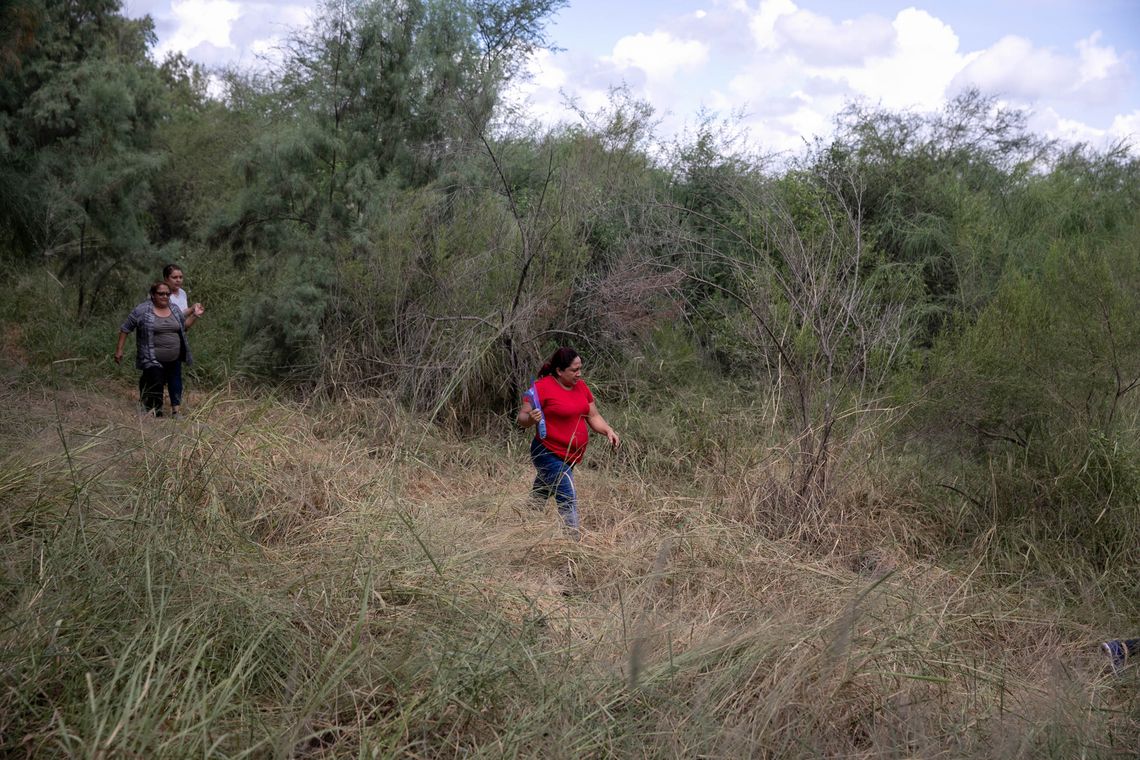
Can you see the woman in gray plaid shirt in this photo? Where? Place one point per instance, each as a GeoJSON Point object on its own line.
{"type": "Point", "coordinates": [160, 335]}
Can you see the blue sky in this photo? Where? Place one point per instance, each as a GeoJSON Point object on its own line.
{"type": "Point", "coordinates": [784, 67]}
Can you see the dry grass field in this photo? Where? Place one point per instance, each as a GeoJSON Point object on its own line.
{"type": "Point", "coordinates": [272, 579]}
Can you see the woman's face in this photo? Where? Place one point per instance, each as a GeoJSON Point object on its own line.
{"type": "Point", "coordinates": [174, 279]}
{"type": "Point", "coordinates": [161, 296]}
{"type": "Point", "coordinates": [572, 374]}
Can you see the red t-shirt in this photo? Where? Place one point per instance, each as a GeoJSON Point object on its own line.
{"type": "Point", "coordinates": [565, 411]}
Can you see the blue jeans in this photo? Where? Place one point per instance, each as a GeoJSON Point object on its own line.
{"type": "Point", "coordinates": [174, 383]}
{"type": "Point", "coordinates": [554, 478]}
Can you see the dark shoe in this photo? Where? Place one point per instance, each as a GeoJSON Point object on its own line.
{"type": "Point", "coordinates": [1117, 655]}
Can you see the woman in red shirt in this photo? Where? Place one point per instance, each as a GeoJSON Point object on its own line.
{"type": "Point", "coordinates": [567, 408]}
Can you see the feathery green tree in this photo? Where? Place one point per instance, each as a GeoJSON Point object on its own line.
{"type": "Point", "coordinates": [933, 189]}
{"type": "Point", "coordinates": [377, 91]}
{"type": "Point", "coordinates": [79, 102]}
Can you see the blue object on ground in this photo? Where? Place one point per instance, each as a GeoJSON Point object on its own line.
{"type": "Point", "coordinates": [1117, 654]}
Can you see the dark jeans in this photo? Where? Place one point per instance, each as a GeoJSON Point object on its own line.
{"type": "Point", "coordinates": [154, 379]}
{"type": "Point", "coordinates": [554, 478]}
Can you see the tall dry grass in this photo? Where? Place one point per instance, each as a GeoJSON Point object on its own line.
{"type": "Point", "coordinates": [267, 579]}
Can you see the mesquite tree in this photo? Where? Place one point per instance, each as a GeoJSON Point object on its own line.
{"type": "Point", "coordinates": [375, 100]}
{"type": "Point", "coordinates": [786, 264]}
{"type": "Point", "coordinates": [376, 92]}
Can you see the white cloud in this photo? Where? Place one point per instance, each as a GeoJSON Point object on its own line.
{"type": "Point", "coordinates": [1014, 67]}
{"type": "Point", "coordinates": [266, 47]}
{"type": "Point", "coordinates": [915, 73]}
{"type": "Point", "coordinates": [1123, 128]}
{"type": "Point", "coordinates": [218, 32]}
{"type": "Point", "coordinates": [263, 27]}
{"type": "Point", "coordinates": [543, 90]}
{"type": "Point", "coordinates": [1020, 70]}
{"type": "Point", "coordinates": [1126, 127]}
{"type": "Point", "coordinates": [1103, 73]}
{"type": "Point", "coordinates": [659, 55]}
{"type": "Point", "coordinates": [766, 79]}
{"type": "Point", "coordinates": [791, 89]}
{"type": "Point", "coordinates": [718, 101]}
{"type": "Point", "coordinates": [544, 72]}
{"type": "Point", "coordinates": [787, 69]}
{"type": "Point", "coordinates": [763, 22]}
{"type": "Point", "coordinates": [821, 40]}
{"type": "Point", "coordinates": [1048, 122]}
{"type": "Point", "coordinates": [1097, 62]}
{"type": "Point", "coordinates": [200, 22]}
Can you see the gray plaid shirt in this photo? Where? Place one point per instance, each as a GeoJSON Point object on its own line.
{"type": "Point", "coordinates": [141, 319]}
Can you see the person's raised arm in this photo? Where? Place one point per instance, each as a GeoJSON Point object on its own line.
{"type": "Point", "coordinates": [598, 424]}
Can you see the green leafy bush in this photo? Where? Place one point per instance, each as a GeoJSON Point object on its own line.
{"type": "Point", "coordinates": [281, 322]}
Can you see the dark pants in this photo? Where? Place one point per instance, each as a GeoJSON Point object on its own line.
{"type": "Point", "coordinates": [154, 379]}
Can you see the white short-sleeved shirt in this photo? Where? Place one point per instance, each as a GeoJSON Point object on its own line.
{"type": "Point", "coordinates": [181, 298]}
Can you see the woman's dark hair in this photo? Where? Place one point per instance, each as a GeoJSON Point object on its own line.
{"type": "Point", "coordinates": [154, 286]}
{"type": "Point", "coordinates": [558, 361]}
{"type": "Point", "coordinates": [169, 268]}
